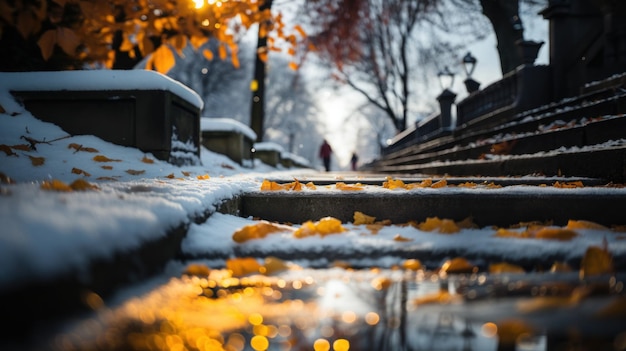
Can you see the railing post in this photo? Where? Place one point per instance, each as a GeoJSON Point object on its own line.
{"type": "Point", "coordinates": [446, 99]}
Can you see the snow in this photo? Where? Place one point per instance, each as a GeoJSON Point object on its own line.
{"type": "Point", "coordinates": [218, 124]}
{"type": "Point", "coordinates": [96, 80]}
{"type": "Point", "coordinates": [268, 146]}
{"type": "Point", "coordinates": [138, 198]}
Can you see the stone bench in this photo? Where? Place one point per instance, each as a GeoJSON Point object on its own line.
{"type": "Point", "coordinates": [268, 153]}
{"type": "Point", "coordinates": [289, 160]}
{"type": "Point", "coordinates": [228, 137]}
{"type": "Point", "coordinates": [135, 108]}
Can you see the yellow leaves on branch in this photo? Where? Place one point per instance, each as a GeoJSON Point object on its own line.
{"type": "Point", "coordinates": [91, 26]}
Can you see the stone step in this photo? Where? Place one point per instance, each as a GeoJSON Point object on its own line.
{"type": "Point", "coordinates": [607, 163]}
{"type": "Point", "coordinates": [486, 206]}
{"type": "Point", "coordinates": [576, 135]}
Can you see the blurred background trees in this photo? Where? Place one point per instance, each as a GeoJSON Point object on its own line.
{"type": "Point", "coordinates": [387, 51]}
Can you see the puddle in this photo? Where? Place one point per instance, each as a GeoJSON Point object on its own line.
{"type": "Point", "coordinates": [367, 309]}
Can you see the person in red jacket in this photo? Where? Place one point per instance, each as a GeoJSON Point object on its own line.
{"type": "Point", "coordinates": [325, 152]}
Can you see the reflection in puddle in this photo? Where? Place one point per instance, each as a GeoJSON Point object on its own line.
{"type": "Point", "coordinates": [342, 309]}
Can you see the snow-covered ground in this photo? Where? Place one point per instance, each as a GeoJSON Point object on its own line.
{"type": "Point", "coordinates": [132, 197]}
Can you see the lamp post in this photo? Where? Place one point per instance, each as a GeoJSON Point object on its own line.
{"type": "Point", "coordinates": [469, 64]}
{"type": "Point", "coordinates": [446, 98]}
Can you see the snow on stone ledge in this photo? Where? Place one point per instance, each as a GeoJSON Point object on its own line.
{"type": "Point", "coordinates": [226, 125]}
{"type": "Point", "coordinates": [295, 158]}
{"type": "Point", "coordinates": [92, 80]}
{"type": "Point", "coordinates": [268, 146]}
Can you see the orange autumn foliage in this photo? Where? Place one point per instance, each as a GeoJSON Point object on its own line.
{"type": "Point", "coordinates": [323, 227]}
{"type": "Point", "coordinates": [242, 266]}
{"type": "Point", "coordinates": [257, 231]}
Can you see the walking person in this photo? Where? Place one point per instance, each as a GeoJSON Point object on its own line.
{"type": "Point", "coordinates": [354, 160]}
{"type": "Point", "coordinates": [325, 152]}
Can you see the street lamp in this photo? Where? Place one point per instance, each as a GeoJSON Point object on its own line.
{"type": "Point", "coordinates": [446, 78]}
{"type": "Point", "coordinates": [446, 98]}
{"type": "Point", "coordinates": [469, 64]}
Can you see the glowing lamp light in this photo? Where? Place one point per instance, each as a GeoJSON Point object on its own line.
{"type": "Point", "coordinates": [446, 78]}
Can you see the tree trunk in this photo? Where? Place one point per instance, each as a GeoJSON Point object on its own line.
{"type": "Point", "coordinates": [503, 14]}
{"type": "Point", "coordinates": [257, 110]}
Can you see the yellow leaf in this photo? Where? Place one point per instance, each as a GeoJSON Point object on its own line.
{"type": "Point", "coordinates": [235, 61]}
{"type": "Point", "coordinates": [256, 231]}
{"type": "Point", "coordinates": [135, 172]}
{"type": "Point", "coordinates": [178, 42]}
{"type": "Point", "coordinates": [162, 59]}
{"type": "Point", "coordinates": [106, 178]}
{"type": "Point", "coordinates": [323, 227]}
{"type": "Point", "coordinates": [208, 54]}
{"type": "Point", "coordinates": [374, 228]}
{"type": "Point", "coordinates": [254, 85]}
{"type": "Point", "coordinates": [440, 184]}
{"type": "Point", "coordinates": [222, 52]}
{"type": "Point", "coordinates": [294, 66]}
{"type": "Point", "coordinates": [329, 225]}
{"type": "Point", "coordinates": [37, 161]}
{"type": "Point", "coordinates": [46, 43]}
{"type": "Point", "coordinates": [503, 267]}
{"type": "Point", "coordinates": [597, 260]}
{"type": "Point", "coordinates": [197, 41]}
{"type": "Point", "coordinates": [412, 264]}
{"type": "Point", "coordinates": [555, 234]}
{"type": "Point", "coordinates": [25, 23]}
{"type": "Point", "coordinates": [444, 226]}
{"type": "Point", "coordinates": [102, 158]}
{"type": "Point", "coordinates": [393, 183]}
{"type": "Point", "coordinates": [197, 269]}
{"type": "Point", "coordinates": [147, 160]}
{"type": "Point", "coordinates": [80, 171]}
{"type": "Point", "coordinates": [242, 266]}
{"type": "Point", "coordinates": [203, 177]}
{"type": "Point", "coordinates": [273, 265]}
{"type": "Point", "coordinates": [361, 218]}
{"type": "Point", "coordinates": [505, 233]}
{"type": "Point", "coordinates": [55, 185]}
{"type": "Point", "coordinates": [81, 185]}
{"type": "Point", "coordinates": [22, 147]}
{"type": "Point", "coordinates": [581, 224]}
{"type": "Point", "coordinates": [566, 185]}
{"type": "Point", "coordinates": [401, 238]}
{"type": "Point", "coordinates": [345, 187]}
{"type": "Point", "coordinates": [300, 30]}
{"type": "Point", "coordinates": [67, 40]}
{"type": "Point", "coordinates": [7, 150]}
{"type": "Point", "coordinates": [310, 185]}
{"type": "Point", "coordinates": [457, 265]}
{"type": "Point", "coordinates": [78, 147]}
